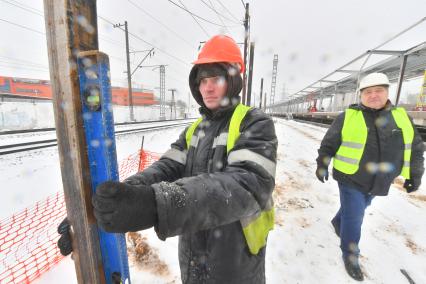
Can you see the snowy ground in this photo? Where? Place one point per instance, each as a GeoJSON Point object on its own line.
{"type": "Point", "coordinates": [21, 174]}
{"type": "Point", "coordinates": [303, 247]}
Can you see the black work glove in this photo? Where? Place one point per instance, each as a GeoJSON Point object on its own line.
{"type": "Point", "coordinates": [121, 207]}
{"type": "Point", "coordinates": [136, 179]}
{"type": "Point", "coordinates": [64, 242]}
{"type": "Point", "coordinates": [321, 173]}
{"type": "Point", "coordinates": [411, 185]}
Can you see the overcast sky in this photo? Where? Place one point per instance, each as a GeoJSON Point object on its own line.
{"type": "Point", "coordinates": [312, 38]}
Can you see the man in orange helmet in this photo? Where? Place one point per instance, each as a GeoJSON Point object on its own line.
{"type": "Point", "coordinates": [213, 187]}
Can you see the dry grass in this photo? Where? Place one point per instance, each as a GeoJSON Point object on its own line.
{"type": "Point", "coordinates": [418, 197]}
{"type": "Point", "coordinates": [145, 256]}
{"type": "Point", "coordinates": [412, 245]}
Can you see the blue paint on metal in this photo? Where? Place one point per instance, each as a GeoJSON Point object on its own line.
{"type": "Point", "coordinates": [100, 138]}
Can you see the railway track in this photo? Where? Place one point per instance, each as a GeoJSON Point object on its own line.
{"type": "Point", "coordinates": [41, 130]}
{"type": "Point", "coordinates": [326, 122]}
{"type": "Point", "coordinates": [40, 144]}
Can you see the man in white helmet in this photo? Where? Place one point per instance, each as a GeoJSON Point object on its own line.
{"type": "Point", "coordinates": [371, 143]}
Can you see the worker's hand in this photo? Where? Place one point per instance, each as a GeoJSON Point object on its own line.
{"type": "Point", "coordinates": [411, 185]}
{"type": "Point", "coordinates": [64, 242]}
{"type": "Point", "coordinates": [321, 173]}
{"type": "Point", "coordinates": [120, 207]}
{"type": "Point", "coordinates": [136, 179]}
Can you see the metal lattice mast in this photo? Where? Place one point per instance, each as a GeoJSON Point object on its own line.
{"type": "Point", "coordinates": [162, 92]}
{"type": "Point", "coordinates": [274, 79]}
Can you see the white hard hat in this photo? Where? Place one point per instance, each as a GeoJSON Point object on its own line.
{"type": "Point", "coordinates": [374, 79]}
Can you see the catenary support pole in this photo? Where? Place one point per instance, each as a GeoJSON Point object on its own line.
{"type": "Point", "coordinates": [129, 75]}
{"type": "Point", "coordinates": [246, 41]}
{"type": "Point", "coordinates": [250, 77]}
{"type": "Point", "coordinates": [261, 93]}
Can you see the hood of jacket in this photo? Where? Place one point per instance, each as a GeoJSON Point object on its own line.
{"type": "Point", "coordinates": [233, 79]}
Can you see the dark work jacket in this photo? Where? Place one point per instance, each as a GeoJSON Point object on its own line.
{"type": "Point", "coordinates": [203, 199]}
{"type": "Point", "coordinates": [383, 154]}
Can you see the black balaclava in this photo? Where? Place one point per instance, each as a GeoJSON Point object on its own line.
{"type": "Point", "coordinates": [228, 71]}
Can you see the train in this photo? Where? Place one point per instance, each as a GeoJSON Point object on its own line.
{"type": "Point", "coordinates": [41, 90]}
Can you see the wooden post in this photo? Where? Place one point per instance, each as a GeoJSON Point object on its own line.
{"type": "Point", "coordinates": [71, 27]}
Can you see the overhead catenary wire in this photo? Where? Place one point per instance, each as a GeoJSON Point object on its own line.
{"type": "Point", "coordinates": [198, 23]}
{"type": "Point", "coordinates": [23, 27]}
{"type": "Point", "coordinates": [103, 18]}
{"type": "Point", "coordinates": [229, 12]}
{"type": "Point", "coordinates": [197, 16]}
{"type": "Point", "coordinates": [40, 13]}
{"type": "Point", "coordinates": [162, 24]}
{"type": "Point", "coordinates": [217, 13]}
{"type": "Point", "coordinates": [148, 43]}
{"type": "Point", "coordinates": [36, 12]}
{"type": "Point", "coordinates": [174, 78]}
{"type": "Point", "coordinates": [211, 7]}
{"type": "Point", "coordinates": [24, 7]}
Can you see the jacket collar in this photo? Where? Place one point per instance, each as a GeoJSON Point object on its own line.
{"type": "Point", "coordinates": [222, 112]}
{"type": "Point", "coordinates": [388, 107]}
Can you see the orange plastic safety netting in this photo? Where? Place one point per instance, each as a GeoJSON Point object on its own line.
{"type": "Point", "coordinates": [28, 238]}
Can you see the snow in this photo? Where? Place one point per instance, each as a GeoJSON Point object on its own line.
{"type": "Point", "coordinates": [32, 176]}
{"type": "Point", "coordinates": [39, 114]}
{"type": "Point", "coordinates": [302, 248]}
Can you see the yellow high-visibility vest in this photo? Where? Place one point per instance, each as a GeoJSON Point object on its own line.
{"type": "Point", "coordinates": [257, 226]}
{"type": "Point", "coordinates": [354, 136]}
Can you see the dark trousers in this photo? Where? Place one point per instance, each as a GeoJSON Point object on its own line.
{"type": "Point", "coordinates": [349, 218]}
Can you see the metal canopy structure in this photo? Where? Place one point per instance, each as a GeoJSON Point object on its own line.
{"type": "Point", "coordinates": [398, 66]}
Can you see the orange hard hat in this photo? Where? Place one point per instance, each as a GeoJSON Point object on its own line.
{"type": "Point", "coordinates": [220, 48]}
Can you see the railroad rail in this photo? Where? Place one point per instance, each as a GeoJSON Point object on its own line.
{"type": "Point", "coordinates": [325, 120]}
{"type": "Point", "coordinates": [11, 132]}
{"type": "Point", "coordinates": [34, 145]}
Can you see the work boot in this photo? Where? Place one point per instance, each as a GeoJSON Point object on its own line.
{"type": "Point", "coordinates": [336, 226]}
{"type": "Point", "coordinates": [352, 267]}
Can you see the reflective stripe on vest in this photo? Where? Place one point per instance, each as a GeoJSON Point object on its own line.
{"type": "Point", "coordinates": [354, 137]}
{"type": "Point", "coordinates": [176, 155]}
{"type": "Point", "coordinates": [257, 226]}
{"type": "Point", "coordinates": [402, 121]}
{"type": "Point", "coordinates": [190, 132]}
